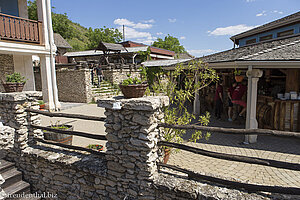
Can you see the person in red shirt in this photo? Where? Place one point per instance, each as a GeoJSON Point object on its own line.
{"type": "Point", "coordinates": [230, 104]}
{"type": "Point", "coordinates": [219, 100]}
{"type": "Point", "coordinates": [237, 96]}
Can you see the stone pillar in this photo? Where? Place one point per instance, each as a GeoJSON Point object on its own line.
{"type": "Point", "coordinates": [12, 113]}
{"type": "Point", "coordinates": [132, 149]}
{"type": "Point", "coordinates": [251, 122]}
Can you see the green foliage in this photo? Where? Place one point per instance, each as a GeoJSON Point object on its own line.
{"type": "Point", "coordinates": [152, 73]}
{"type": "Point", "coordinates": [131, 81]}
{"type": "Point", "coordinates": [104, 34]}
{"type": "Point", "coordinates": [237, 72]}
{"type": "Point", "coordinates": [145, 55]}
{"type": "Point", "coordinates": [170, 43]}
{"type": "Point", "coordinates": [97, 147]}
{"type": "Point", "coordinates": [32, 10]}
{"type": "Point", "coordinates": [62, 25]}
{"type": "Point", "coordinates": [58, 125]}
{"type": "Point", "coordinates": [177, 112]}
{"type": "Point", "coordinates": [41, 102]}
{"type": "Point", "coordinates": [15, 78]}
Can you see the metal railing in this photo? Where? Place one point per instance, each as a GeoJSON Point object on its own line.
{"type": "Point", "coordinates": [20, 29]}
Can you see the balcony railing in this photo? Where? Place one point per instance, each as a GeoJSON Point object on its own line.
{"type": "Point", "coordinates": [20, 29]}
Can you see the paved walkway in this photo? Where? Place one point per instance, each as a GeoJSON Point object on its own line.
{"type": "Point", "coordinates": [282, 149]}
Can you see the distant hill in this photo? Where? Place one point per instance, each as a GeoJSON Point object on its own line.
{"type": "Point", "coordinates": [79, 39]}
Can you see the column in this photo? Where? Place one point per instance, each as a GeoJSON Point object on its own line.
{"type": "Point", "coordinates": [132, 150]}
{"type": "Point", "coordinates": [251, 122]}
{"type": "Point", "coordinates": [23, 65]}
{"type": "Point", "coordinates": [47, 82]}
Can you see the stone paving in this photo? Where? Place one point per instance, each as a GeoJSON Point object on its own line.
{"type": "Point", "coordinates": [269, 147]}
{"type": "Point", "coordinates": [282, 149]}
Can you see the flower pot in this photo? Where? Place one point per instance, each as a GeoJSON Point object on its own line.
{"type": "Point", "coordinates": [133, 91]}
{"type": "Point", "coordinates": [42, 106]}
{"type": "Point", "coordinates": [13, 87]}
{"type": "Point", "coordinates": [239, 78]}
{"type": "Point", "coordinates": [167, 153]}
{"type": "Point", "coordinates": [58, 137]}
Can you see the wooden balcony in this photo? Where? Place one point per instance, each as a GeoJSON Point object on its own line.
{"type": "Point", "coordinates": [19, 29]}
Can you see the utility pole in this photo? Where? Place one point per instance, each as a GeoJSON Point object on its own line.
{"type": "Point", "coordinates": [123, 33]}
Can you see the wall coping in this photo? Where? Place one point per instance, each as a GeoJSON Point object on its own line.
{"type": "Point", "coordinates": [19, 96]}
{"type": "Point", "coordinates": [149, 103]}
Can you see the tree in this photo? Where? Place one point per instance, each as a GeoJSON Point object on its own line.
{"type": "Point", "coordinates": [62, 25]}
{"type": "Point", "coordinates": [170, 43]}
{"type": "Point", "coordinates": [32, 10]}
{"type": "Point", "coordinates": [104, 34]}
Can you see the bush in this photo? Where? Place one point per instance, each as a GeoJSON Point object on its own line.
{"type": "Point", "coordinates": [15, 78]}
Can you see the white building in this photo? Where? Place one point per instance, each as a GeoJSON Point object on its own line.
{"type": "Point", "coordinates": [21, 38]}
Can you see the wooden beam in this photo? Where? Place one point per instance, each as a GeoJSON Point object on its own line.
{"type": "Point", "coordinates": [66, 115]}
{"type": "Point", "coordinates": [70, 146]}
{"type": "Point", "coordinates": [250, 160]}
{"type": "Point", "coordinates": [233, 131]}
{"type": "Point", "coordinates": [234, 184]}
{"type": "Point", "coordinates": [77, 133]}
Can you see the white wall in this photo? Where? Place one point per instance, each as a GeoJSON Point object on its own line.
{"type": "Point", "coordinates": [23, 65]}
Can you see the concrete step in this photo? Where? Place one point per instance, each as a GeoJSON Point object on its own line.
{"type": "Point", "coordinates": [19, 187]}
{"type": "Point", "coordinates": [5, 166]}
{"type": "Point", "coordinates": [11, 176]}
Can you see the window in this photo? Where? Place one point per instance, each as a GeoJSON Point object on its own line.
{"type": "Point", "coordinates": [285, 33]}
{"type": "Point", "coordinates": [252, 41]}
{"type": "Point", "coordinates": [267, 37]}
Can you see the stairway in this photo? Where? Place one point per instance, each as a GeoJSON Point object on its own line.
{"type": "Point", "coordinates": [13, 180]}
{"type": "Point", "coordinates": [105, 90]}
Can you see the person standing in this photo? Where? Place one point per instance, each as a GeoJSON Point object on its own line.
{"type": "Point", "coordinates": [237, 96]}
{"type": "Point", "coordinates": [219, 100]}
{"type": "Point", "coordinates": [99, 73]}
{"type": "Point", "coordinates": [230, 104]}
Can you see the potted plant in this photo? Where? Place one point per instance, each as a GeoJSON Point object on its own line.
{"type": "Point", "coordinates": [59, 137]}
{"type": "Point", "coordinates": [14, 82]}
{"type": "Point", "coordinates": [97, 147]}
{"type": "Point", "coordinates": [133, 87]}
{"type": "Point", "coordinates": [237, 75]}
{"type": "Point", "coordinates": [41, 104]}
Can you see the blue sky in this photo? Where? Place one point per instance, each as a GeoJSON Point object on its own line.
{"type": "Point", "coordinates": [202, 26]}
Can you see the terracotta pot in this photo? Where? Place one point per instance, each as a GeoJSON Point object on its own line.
{"type": "Point", "coordinates": [239, 78]}
{"type": "Point", "coordinates": [13, 87]}
{"type": "Point", "coordinates": [42, 107]}
{"type": "Point", "coordinates": [133, 91]}
{"type": "Point", "coordinates": [167, 153]}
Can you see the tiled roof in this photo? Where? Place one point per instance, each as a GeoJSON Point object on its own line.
{"type": "Point", "coordinates": [269, 26]}
{"type": "Point", "coordinates": [60, 42]}
{"type": "Point", "coordinates": [285, 49]}
{"type": "Point", "coordinates": [163, 63]}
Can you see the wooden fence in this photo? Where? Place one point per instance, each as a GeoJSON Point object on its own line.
{"type": "Point", "coordinates": [251, 160]}
{"type": "Point", "coordinates": [60, 131]}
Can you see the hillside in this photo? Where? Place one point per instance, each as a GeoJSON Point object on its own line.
{"type": "Point", "coordinates": [79, 39]}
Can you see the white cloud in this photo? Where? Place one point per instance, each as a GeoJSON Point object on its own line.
{"type": "Point", "coordinates": [263, 13]}
{"type": "Point", "coordinates": [148, 40]}
{"type": "Point", "coordinates": [172, 20]}
{"type": "Point", "coordinates": [126, 22]}
{"type": "Point", "coordinates": [276, 11]}
{"type": "Point", "coordinates": [149, 21]}
{"type": "Point", "coordinates": [201, 52]}
{"type": "Point", "coordinates": [230, 30]}
{"type": "Point", "coordinates": [182, 38]}
{"type": "Point", "coordinates": [159, 33]}
{"type": "Point", "coordinates": [248, 1]}
{"type": "Point", "coordinates": [132, 33]}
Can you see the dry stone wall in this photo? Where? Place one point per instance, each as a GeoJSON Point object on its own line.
{"type": "Point", "coordinates": [74, 85]}
{"type": "Point", "coordinates": [116, 76]}
{"type": "Point", "coordinates": [128, 170]}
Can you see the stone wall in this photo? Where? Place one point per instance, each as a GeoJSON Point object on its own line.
{"type": "Point", "coordinates": [74, 85]}
{"type": "Point", "coordinates": [116, 76]}
{"type": "Point", "coordinates": [7, 135]}
{"type": "Point", "coordinates": [6, 67]}
{"type": "Point", "coordinates": [127, 170]}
